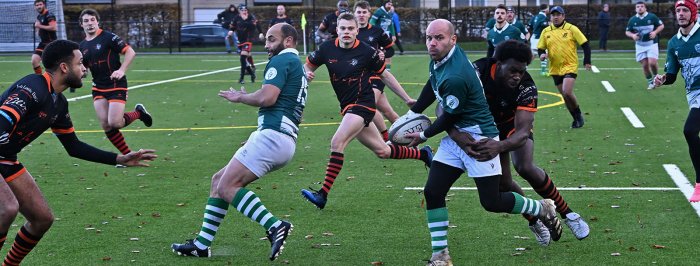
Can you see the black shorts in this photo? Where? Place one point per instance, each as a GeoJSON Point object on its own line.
{"type": "Point", "coordinates": [111, 95]}
{"type": "Point", "coordinates": [377, 84]}
{"type": "Point", "coordinates": [504, 131]}
{"type": "Point", "coordinates": [367, 113]}
{"type": "Point", "coordinates": [558, 80]}
{"type": "Point", "coordinates": [246, 46]}
{"type": "Point", "coordinates": [40, 48]}
{"type": "Point", "coordinates": [9, 170]}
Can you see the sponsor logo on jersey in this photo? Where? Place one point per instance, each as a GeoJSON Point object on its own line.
{"type": "Point", "coordinates": [451, 101]}
{"type": "Point", "coordinates": [271, 73]}
{"type": "Point", "coordinates": [98, 46]}
{"type": "Point", "coordinates": [697, 48]}
{"type": "Point", "coordinates": [353, 62]}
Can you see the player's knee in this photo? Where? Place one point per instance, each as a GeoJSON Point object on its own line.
{"type": "Point", "coordinates": [434, 198]}
{"type": "Point", "coordinates": [525, 169]}
{"type": "Point", "coordinates": [43, 221]}
{"type": "Point", "coordinates": [115, 124]}
{"type": "Point", "coordinates": [691, 131]}
{"type": "Point", "coordinates": [9, 211]}
{"type": "Point", "coordinates": [491, 204]}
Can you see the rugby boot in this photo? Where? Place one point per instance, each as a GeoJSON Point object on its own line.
{"type": "Point", "coordinates": [696, 194]}
{"type": "Point", "coordinates": [145, 116]}
{"type": "Point", "coordinates": [278, 237]}
{"type": "Point", "coordinates": [548, 216]}
{"type": "Point", "coordinates": [541, 233]}
{"type": "Point", "coordinates": [315, 197]}
{"type": "Point", "coordinates": [241, 81]}
{"type": "Point", "coordinates": [578, 121]}
{"type": "Point", "coordinates": [577, 225]}
{"type": "Point", "coordinates": [188, 249]}
{"type": "Point", "coordinates": [441, 258]}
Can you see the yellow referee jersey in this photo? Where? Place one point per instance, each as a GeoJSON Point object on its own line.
{"type": "Point", "coordinates": [560, 43]}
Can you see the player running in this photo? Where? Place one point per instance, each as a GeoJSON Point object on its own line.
{"type": "Point", "coordinates": [683, 56]}
{"type": "Point", "coordinates": [512, 97]}
{"type": "Point", "coordinates": [101, 51]}
{"type": "Point", "coordinates": [455, 85]}
{"type": "Point", "coordinates": [245, 25]}
{"type": "Point", "coordinates": [46, 24]}
{"type": "Point", "coordinates": [281, 100]}
{"type": "Point", "coordinates": [502, 31]}
{"type": "Point", "coordinates": [349, 63]}
{"type": "Point", "coordinates": [378, 39]}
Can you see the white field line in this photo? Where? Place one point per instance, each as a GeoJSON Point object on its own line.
{"type": "Point", "coordinates": [595, 69]}
{"type": "Point", "coordinates": [576, 188]}
{"type": "Point", "coordinates": [632, 117]}
{"type": "Point", "coordinates": [608, 86]}
{"type": "Point", "coordinates": [682, 183]}
{"type": "Point", "coordinates": [169, 80]}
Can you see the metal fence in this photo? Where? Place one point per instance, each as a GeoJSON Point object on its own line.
{"type": "Point", "coordinates": [165, 36]}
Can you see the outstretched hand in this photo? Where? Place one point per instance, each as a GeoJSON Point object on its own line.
{"type": "Point", "coordinates": [233, 95]}
{"type": "Point", "coordinates": [137, 158]}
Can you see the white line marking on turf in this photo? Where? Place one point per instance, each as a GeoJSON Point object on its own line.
{"type": "Point", "coordinates": [169, 70]}
{"type": "Point", "coordinates": [632, 117]}
{"type": "Point", "coordinates": [169, 80]}
{"type": "Point", "coordinates": [595, 69]}
{"type": "Point", "coordinates": [575, 188]}
{"type": "Point", "coordinates": [608, 86]}
{"type": "Point", "coordinates": [682, 183]}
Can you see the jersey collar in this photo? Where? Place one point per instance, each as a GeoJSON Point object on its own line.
{"type": "Point", "coordinates": [502, 29]}
{"type": "Point", "coordinates": [692, 31]}
{"type": "Point", "coordinates": [444, 60]}
{"type": "Point", "coordinates": [643, 15]}
{"type": "Point", "coordinates": [289, 50]}
{"type": "Point", "coordinates": [337, 43]}
{"type": "Point", "coordinates": [47, 77]}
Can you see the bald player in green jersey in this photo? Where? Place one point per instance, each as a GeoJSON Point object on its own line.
{"type": "Point", "coordinates": [281, 100]}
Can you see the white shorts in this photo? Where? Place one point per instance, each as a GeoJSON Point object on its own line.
{"type": "Point", "coordinates": [644, 52]}
{"type": "Point", "coordinates": [693, 98]}
{"type": "Point", "coordinates": [266, 151]}
{"type": "Point", "coordinates": [451, 154]}
{"type": "Point", "coordinates": [533, 44]}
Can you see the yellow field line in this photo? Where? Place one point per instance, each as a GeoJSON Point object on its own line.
{"type": "Point", "coordinates": [560, 102]}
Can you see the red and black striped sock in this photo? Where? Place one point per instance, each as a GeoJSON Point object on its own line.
{"type": "Point", "coordinates": [131, 117]}
{"type": "Point", "coordinates": [24, 243]}
{"type": "Point", "coordinates": [37, 70]}
{"type": "Point", "coordinates": [385, 135]}
{"type": "Point", "coordinates": [117, 139]}
{"type": "Point", "coordinates": [335, 164]}
{"type": "Point", "coordinates": [549, 191]}
{"type": "Point", "coordinates": [403, 152]}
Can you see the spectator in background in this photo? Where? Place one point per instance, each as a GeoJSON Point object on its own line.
{"type": "Point", "coordinates": [281, 17]}
{"type": "Point", "coordinates": [226, 17]}
{"type": "Point", "coordinates": [326, 30]}
{"type": "Point", "coordinates": [603, 27]}
{"type": "Point", "coordinates": [397, 28]}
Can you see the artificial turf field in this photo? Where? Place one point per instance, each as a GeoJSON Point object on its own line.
{"type": "Point", "coordinates": [108, 215]}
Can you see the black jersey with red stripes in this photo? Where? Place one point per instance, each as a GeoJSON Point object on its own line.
{"type": "Point", "coordinates": [45, 19]}
{"type": "Point", "coordinates": [375, 37]}
{"type": "Point", "coordinates": [503, 101]}
{"type": "Point", "coordinates": [31, 106]}
{"type": "Point", "coordinates": [245, 28]}
{"type": "Point", "coordinates": [349, 70]}
{"type": "Point", "coordinates": [101, 56]}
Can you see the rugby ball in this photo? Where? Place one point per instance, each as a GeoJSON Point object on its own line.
{"type": "Point", "coordinates": [406, 124]}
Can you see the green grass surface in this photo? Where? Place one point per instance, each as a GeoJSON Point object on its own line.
{"type": "Point", "coordinates": [369, 217]}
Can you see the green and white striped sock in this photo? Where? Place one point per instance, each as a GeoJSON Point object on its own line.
{"type": "Point", "coordinates": [247, 203]}
{"type": "Point", "coordinates": [214, 213]}
{"type": "Point", "coordinates": [526, 205]}
{"type": "Point", "coordinates": [437, 223]}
